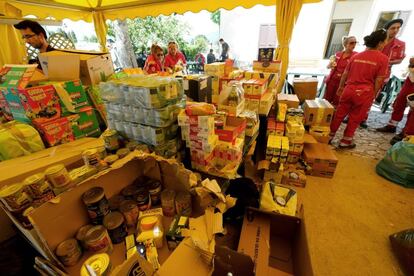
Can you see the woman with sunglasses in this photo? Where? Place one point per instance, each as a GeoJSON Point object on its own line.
{"type": "Point", "coordinates": [360, 82]}
{"type": "Point", "coordinates": [399, 106]}
{"type": "Point", "coordinates": [337, 65]}
{"type": "Point", "coordinates": [155, 61]}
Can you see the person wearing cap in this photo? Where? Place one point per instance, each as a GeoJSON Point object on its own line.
{"type": "Point", "coordinates": [174, 57]}
{"type": "Point", "coordinates": [394, 48]}
{"type": "Point", "coordinates": [360, 83]}
{"type": "Point", "coordinates": [399, 106]}
{"type": "Point", "coordinates": [337, 65]}
{"type": "Point", "coordinates": [34, 35]}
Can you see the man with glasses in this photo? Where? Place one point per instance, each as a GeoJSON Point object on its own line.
{"type": "Point", "coordinates": [399, 106]}
{"type": "Point", "coordinates": [34, 35]}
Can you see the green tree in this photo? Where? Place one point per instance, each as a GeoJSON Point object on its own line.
{"type": "Point", "coordinates": [215, 17]}
{"type": "Point", "coordinates": [198, 45]}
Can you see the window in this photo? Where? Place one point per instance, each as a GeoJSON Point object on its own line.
{"type": "Point", "coordinates": [386, 16]}
{"type": "Point", "coordinates": [339, 28]}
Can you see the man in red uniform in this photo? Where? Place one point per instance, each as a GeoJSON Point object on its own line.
{"type": "Point", "coordinates": [363, 78]}
{"type": "Point", "coordinates": [174, 57]}
{"type": "Point", "coordinates": [399, 106]}
{"type": "Point", "coordinates": [394, 49]}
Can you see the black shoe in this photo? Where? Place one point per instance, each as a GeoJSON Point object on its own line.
{"type": "Point", "coordinates": [345, 121]}
{"type": "Point", "coordinates": [363, 124]}
{"type": "Point", "coordinates": [397, 138]}
{"type": "Point", "coordinates": [345, 146]}
{"type": "Point", "coordinates": [387, 129]}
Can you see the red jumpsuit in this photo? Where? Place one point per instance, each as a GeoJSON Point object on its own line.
{"type": "Point", "coordinates": [358, 93]}
{"type": "Point", "coordinates": [333, 79]}
{"type": "Point", "coordinates": [394, 50]}
{"type": "Point", "coordinates": [171, 61]}
{"type": "Point", "coordinates": [152, 65]}
{"type": "Point", "coordinates": [399, 106]}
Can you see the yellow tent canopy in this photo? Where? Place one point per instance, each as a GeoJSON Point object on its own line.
{"type": "Point", "coordinates": [121, 9]}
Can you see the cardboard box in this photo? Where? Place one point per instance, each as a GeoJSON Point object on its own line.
{"type": "Point", "coordinates": [93, 66]}
{"type": "Point", "coordinates": [305, 88]}
{"type": "Point", "coordinates": [295, 178]}
{"type": "Point", "coordinates": [252, 105]}
{"type": "Point", "coordinates": [84, 123]}
{"type": "Point", "coordinates": [266, 103]}
{"type": "Point", "coordinates": [214, 69]}
{"type": "Point", "coordinates": [76, 93]}
{"type": "Point", "coordinates": [174, 236]}
{"type": "Point", "coordinates": [318, 112]}
{"type": "Point", "coordinates": [206, 146]}
{"type": "Point", "coordinates": [38, 104]}
{"type": "Point", "coordinates": [56, 132]}
{"type": "Point", "coordinates": [271, 66]}
{"type": "Point", "coordinates": [232, 110]}
{"type": "Point", "coordinates": [321, 158]}
{"type": "Point", "coordinates": [277, 243]}
{"type": "Point", "coordinates": [259, 87]}
{"type": "Point", "coordinates": [198, 88]}
{"type": "Point", "coordinates": [271, 78]}
{"type": "Point", "coordinates": [320, 133]}
{"type": "Point", "coordinates": [234, 127]}
{"type": "Point", "coordinates": [292, 101]}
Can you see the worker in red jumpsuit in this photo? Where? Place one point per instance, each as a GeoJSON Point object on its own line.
{"type": "Point", "coordinates": [337, 65]}
{"type": "Point", "coordinates": [394, 49]}
{"type": "Point", "coordinates": [155, 61]}
{"type": "Point", "coordinates": [175, 60]}
{"type": "Point", "coordinates": [360, 82]}
{"type": "Point", "coordinates": [399, 106]}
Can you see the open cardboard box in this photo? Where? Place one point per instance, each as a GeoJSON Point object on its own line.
{"type": "Point", "coordinates": [234, 127]}
{"type": "Point", "coordinates": [276, 243]}
{"type": "Point", "coordinates": [59, 220]}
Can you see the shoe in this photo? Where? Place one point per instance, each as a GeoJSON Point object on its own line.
{"type": "Point", "coordinates": [397, 138]}
{"type": "Point", "coordinates": [363, 124]}
{"type": "Point", "coordinates": [346, 146]}
{"type": "Point", "coordinates": [387, 129]}
{"type": "Point", "coordinates": [345, 121]}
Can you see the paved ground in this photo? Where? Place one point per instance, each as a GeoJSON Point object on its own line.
{"type": "Point", "coordinates": [371, 143]}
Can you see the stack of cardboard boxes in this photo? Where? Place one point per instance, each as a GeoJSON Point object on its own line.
{"type": "Point", "coordinates": [318, 116]}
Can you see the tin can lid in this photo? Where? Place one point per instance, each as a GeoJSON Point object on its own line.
{"type": "Point", "coordinates": [54, 169]}
{"type": "Point", "coordinates": [123, 151]}
{"type": "Point", "coordinates": [127, 205]}
{"type": "Point", "coordinates": [95, 233]}
{"type": "Point", "coordinates": [142, 197]}
{"type": "Point", "coordinates": [115, 201]}
{"type": "Point", "coordinates": [34, 179]}
{"type": "Point", "coordinates": [111, 158]}
{"type": "Point", "coordinates": [81, 234]}
{"type": "Point", "coordinates": [113, 220]}
{"type": "Point", "coordinates": [131, 190]}
{"type": "Point", "coordinates": [132, 145]}
{"type": "Point", "coordinates": [99, 263]}
{"type": "Point", "coordinates": [90, 152]}
{"type": "Point", "coordinates": [67, 247]}
{"type": "Point", "coordinates": [9, 190]}
{"type": "Point", "coordinates": [28, 211]}
{"type": "Point", "coordinates": [109, 132]}
{"type": "Point", "coordinates": [93, 195]}
{"type": "Point", "coordinates": [153, 185]}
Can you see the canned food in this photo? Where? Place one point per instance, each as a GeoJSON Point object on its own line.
{"type": "Point", "coordinates": [110, 159]}
{"type": "Point", "coordinates": [131, 146]}
{"type": "Point", "coordinates": [22, 214]}
{"type": "Point", "coordinates": [101, 152]}
{"type": "Point", "coordinates": [183, 204]}
{"type": "Point", "coordinates": [81, 234]}
{"type": "Point", "coordinates": [116, 226]}
{"type": "Point", "coordinates": [58, 176]}
{"type": "Point", "coordinates": [69, 252]}
{"type": "Point", "coordinates": [122, 152]}
{"type": "Point", "coordinates": [91, 158]}
{"type": "Point", "coordinates": [110, 137]}
{"type": "Point", "coordinates": [154, 189]}
{"type": "Point", "coordinates": [167, 202]}
{"type": "Point", "coordinates": [129, 209]}
{"type": "Point", "coordinates": [143, 200]}
{"type": "Point", "coordinates": [44, 198]}
{"type": "Point", "coordinates": [131, 191]}
{"type": "Point", "coordinates": [100, 263]}
{"type": "Point", "coordinates": [14, 197]}
{"type": "Point", "coordinates": [96, 203]}
{"type": "Point", "coordinates": [37, 184]}
{"type": "Point", "coordinates": [97, 240]}
{"type": "Point", "coordinates": [115, 202]}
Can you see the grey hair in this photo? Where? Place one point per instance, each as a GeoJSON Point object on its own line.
{"type": "Point", "coordinates": [345, 39]}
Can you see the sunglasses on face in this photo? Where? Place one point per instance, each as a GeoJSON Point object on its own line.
{"type": "Point", "coordinates": [28, 36]}
{"type": "Point", "coordinates": [160, 55]}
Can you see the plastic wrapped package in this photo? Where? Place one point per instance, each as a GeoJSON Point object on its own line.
{"type": "Point", "coordinates": [127, 112]}
{"type": "Point", "coordinates": [153, 135]}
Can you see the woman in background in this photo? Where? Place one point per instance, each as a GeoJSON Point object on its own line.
{"type": "Point", "coordinates": [360, 83]}
{"type": "Point", "coordinates": [337, 65]}
{"type": "Point", "coordinates": [155, 61]}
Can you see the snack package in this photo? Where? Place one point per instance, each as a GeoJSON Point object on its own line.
{"type": "Point", "coordinates": [150, 227]}
{"type": "Point", "coordinates": [200, 109]}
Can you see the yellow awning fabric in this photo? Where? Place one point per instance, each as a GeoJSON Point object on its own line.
{"type": "Point", "coordinates": [12, 48]}
{"type": "Point", "coordinates": [121, 9]}
{"type": "Point", "coordinates": [100, 29]}
{"type": "Point", "coordinates": [287, 12]}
